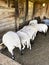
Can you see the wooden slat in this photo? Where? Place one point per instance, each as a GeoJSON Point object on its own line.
{"type": "Point", "coordinates": [7, 20]}
{"type": "Point", "coordinates": [4, 60]}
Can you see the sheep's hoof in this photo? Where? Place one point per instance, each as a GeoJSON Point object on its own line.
{"type": "Point", "coordinates": [13, 57]}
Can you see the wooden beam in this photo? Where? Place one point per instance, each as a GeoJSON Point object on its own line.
{"type": "Point", "coordinates": [8, 2]}
{"type": "Point", "coordinates": [16, 8]}
{"type": "Point", "coordinates": [4, 60]}
{"type": "Point", "coordinates": [46, 7]}
{"type": "Point", "coordinates": [16, 14]}
{"type": "Point", "coordinates": [26, 13]}
{"type": "Point", "coordinates": [33, 9]}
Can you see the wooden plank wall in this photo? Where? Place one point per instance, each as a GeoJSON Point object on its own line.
{"type": "Point", "coordinates": [7, 20]}
{"type": "Point", "coordinates": [41, 11]}
{"type": "Point", "coordinates": [7, 24]}
{"type": "Point", "coordinates": [4, 60]}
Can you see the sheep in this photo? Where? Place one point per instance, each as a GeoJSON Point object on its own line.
{"type": "Point", "coordinates": [33, 22]}
{"type": "Point", "coordinates": [40, 27]}
{"type": "Point", "coordinates": [43, 28]}
{"type": "Point", "coordinates": [11, 40]}
{"type": "Point", "coordinates": [25, 40]}
{"type": "Point", "coordinates": [30, 31]}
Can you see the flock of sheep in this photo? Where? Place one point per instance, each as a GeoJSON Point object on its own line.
{"type": "Point", "coordinates": [22, 38]}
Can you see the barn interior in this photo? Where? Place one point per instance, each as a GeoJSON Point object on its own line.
{"type": "Point", "coordinates": [14, 15]}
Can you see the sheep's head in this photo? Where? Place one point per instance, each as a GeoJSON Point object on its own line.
{"type": "Point", "coordinates": [33, 22]}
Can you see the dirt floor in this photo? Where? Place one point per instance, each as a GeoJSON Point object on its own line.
{"type": "Point", "coordinates": [39, 55]}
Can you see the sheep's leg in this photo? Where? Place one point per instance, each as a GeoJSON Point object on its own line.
{"type": "Point", "coordinates": [11, 51]}
{"type": "Point", "coordinates": [45, 33]}
{"type": "Point", "coordinates": [30, 46]}
{"type": "Point", "coordinates": [21, 50]}
{"type": "Point", "coordinates": [23, 47]}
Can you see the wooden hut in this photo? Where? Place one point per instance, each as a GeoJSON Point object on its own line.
{"type": "Point", "coordinates": [18, 12]}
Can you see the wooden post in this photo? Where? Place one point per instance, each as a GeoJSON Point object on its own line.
{"type": "Point", "coordinates": [8, 2]}
{"type": "Point", "coordinates": [26, 13]}
{"type": "Point", "coordinates": [33, 9]}
{"type": "Point", "coordinates": [16, 8]}
{"type": "Point", "coordinates": [16, 13]}
{"type": "Point", "coordinates": [46, 7]}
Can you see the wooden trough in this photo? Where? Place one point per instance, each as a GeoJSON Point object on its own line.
{"type": "Point", "coordinates": [4, 60]}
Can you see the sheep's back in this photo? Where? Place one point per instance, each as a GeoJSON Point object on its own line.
{"type": "Point", "coordinates": [10, 38]}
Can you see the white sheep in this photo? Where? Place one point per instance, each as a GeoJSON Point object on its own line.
{"type": "Point", "coordinates": [24, 38]}
{"type": "Point", "coordinates": [33, 22]}
{"type": "Point", "coordinates": [30, 31]}
{"type": "Point", "coordinates": [11, 40]}
{"type": "Point", "coordinates": [40, 27]}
